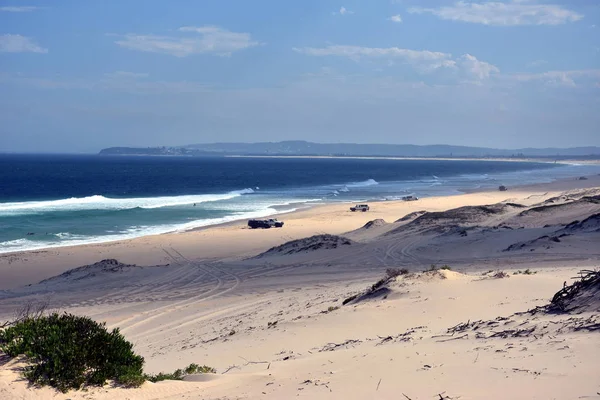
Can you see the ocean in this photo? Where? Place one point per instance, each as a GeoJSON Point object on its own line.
{"type": "Point", "coordinates": [62, 200]}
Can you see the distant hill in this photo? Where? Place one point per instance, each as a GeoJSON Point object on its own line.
{"type": "Point", "coordinates": [302, 148]}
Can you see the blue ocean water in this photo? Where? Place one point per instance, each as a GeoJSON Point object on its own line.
{"type": "Point", "coordinates": [60, 200]}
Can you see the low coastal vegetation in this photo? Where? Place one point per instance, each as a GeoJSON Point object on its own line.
{"type": "Point", "coordinates": [394, 272]}
{"type": "Point", "coordinates": [526, 272]}
{"type": "Point", "coordinates": [180, 373]}
{"type": "Point", "coordinates": [434, 267]}
{"type": "Point", "coordinates": [67, 352]}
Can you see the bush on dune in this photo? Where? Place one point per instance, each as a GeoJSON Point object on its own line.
{"type": "Point", "coordinates": [394, 272]}
{"type": "Point", "coordinates": [179, 374]}
{"type": "Point", "coordinates": [70, 352]}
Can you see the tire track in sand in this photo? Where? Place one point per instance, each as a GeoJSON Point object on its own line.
{"type": "Point", "coordinates": [224, 285]}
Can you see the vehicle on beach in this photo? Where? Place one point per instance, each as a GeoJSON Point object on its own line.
{"type": "Point", "coordinates": [360, 207]}
{"type": "Point", "coordinates": [265, 223]}
{"type": "Point", "coordinates": [410, 198]}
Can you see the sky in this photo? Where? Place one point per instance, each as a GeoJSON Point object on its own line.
{"type": "Point", "coordinates": [81, 75]}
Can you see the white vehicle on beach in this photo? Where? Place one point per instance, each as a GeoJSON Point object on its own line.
{"type": "Point", "coordinates": [360, 207]}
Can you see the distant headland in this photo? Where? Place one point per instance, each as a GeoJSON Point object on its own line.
{"type": "Point", "coordinates": [310, 149]}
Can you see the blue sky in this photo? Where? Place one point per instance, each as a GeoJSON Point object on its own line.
{"type": "Point", "coordinates": [78, 75]}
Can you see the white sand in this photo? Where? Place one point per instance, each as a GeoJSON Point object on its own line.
{"type": "Point", "coordinates": [211, 306]}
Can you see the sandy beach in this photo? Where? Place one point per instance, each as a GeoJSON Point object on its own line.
{"type": "Point", "coordinates": [266, 308]}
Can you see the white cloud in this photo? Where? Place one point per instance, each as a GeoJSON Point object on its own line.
{"type": "Point", "coordinates": [426, 60]}
{"type": "Point", "coordinates": [422, 60]}
{"type": "Point", "coordinates": [516, 12]}
{"type": "Point", "coordinates": [119, 81]}
{"type": "Point", "coordinates": [343, 11]}
{"type": "Point", "coordinates": [19, 44]}
{"type": "Point", "coordinates": [396, 18]}
{"type": "Point", "coordinates": [18, 8]}
{"type": "Point", "coordinates": [536, 63]}
{"type": "Point", "coordinates": [209, 40]}
{"type": "Point", "coordinates": [126, 75]}
{"type": "Point", "coordinates": [570, 78]}
{"type": "Point", "coordinates": [478, 70]}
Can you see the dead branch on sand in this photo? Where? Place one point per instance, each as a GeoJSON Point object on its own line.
{"type": "Point", "coordinates": [336, 346]}
{"type": "Point", "coordinates": [246, 364]}
{"type": "Point", "coordinates": [31, 310]}
{"type": "Point", "coordinates": [465, 336]}
{"type": "Point", "coordinates": [589, 281]}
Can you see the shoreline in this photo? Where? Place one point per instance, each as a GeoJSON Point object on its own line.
{"type": "Point", "coordinates": [296, 207]}
{"type": "Point", "coordinates": [232, 241]}
{"type": "Point", "coordinates": [206, 297]}
{"type": "Point", "coordinates": [436, 291]}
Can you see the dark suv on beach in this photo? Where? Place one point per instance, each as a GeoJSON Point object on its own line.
{"type": "Point", "coordinates": [265, 223]}
{"type": "Point", "coordinates": [410, 198]}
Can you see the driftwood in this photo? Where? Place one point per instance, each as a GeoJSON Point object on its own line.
{"type": "Point", "coordinates": [513, 333]}
{"type": "Point", "coordinates": [589, 324]}
{"type": "Point", "coordinates": [246, 364]}
{"type": "Point", "coordinates": [336, 346]}
{"type": "Point", "coordinates": [588, 280]}
{"type": "Point", "coordinates": [460, 327]}
{"type": "Point", "coordinates": [403, 337]}
{"type": "Point", "coordinates": [466, 335]}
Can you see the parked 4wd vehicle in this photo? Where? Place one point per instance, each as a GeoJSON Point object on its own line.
{"type": "Point", "coordinates": [410, 198]}
{"type": "Point", "coordinates": [265, 223]}
{"type": "Point", "coordinates": [360, 207]}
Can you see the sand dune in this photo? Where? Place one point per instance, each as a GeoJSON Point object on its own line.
{"type": "Point", "coordinates": [279, 324]}
{"type": "Point", "coordinates": [310, 244]}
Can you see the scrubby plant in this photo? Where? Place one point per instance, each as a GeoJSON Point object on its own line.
{"type": "Point", "coordinates": [446, 268]}
{"type": "Point", "coordinates": [179, 374]}
{"type": "Point", "coordinates": [68, 352]}
{"type": "Point", "coordinates": [500, 275]}
{"type": "Point", "coordinates": [394, 272]}
{"type": "Point", "coordinates": [526, 272]}
{"type": "Point", "coordinates": [199, 369]}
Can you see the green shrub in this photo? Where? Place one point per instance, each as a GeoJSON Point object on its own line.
{"type": "Point", "coordinates": [526, 272]}
{"type": "Point", "coordinates": [180, 374]}
{"type": "Point", "coordinates": [394, 272]}
{"type": "Point", "coordinates": [68, 352]}
{"type": "Point", "coordinates": [199, 369]}
{"type": "Point", "coordinates": [445, 267]}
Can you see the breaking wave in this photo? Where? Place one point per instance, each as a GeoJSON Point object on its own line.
{"type": "Point", "coordinates": [368, 182]}
{"type": "Point", "coordinates": [98, 202]}
{"type": "Point", "coordinates": [66, 239]}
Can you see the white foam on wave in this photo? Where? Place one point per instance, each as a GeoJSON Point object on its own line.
{"type": "Point", "coordinates": [368, 182]}
{"type": "Point", "coordinates": [68, 239]}
{"type": "Point", "coordinates": [98, 202]}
